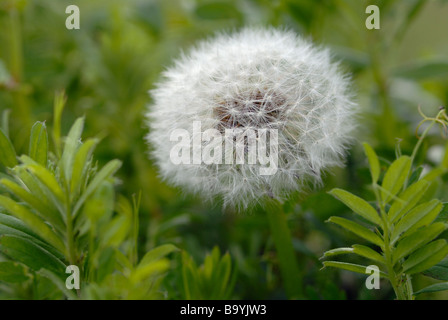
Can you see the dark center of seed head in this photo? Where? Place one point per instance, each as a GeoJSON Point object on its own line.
{"type": "Point", "coordinates": [258, 110]}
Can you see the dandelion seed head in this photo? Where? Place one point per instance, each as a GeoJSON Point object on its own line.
{"type": "Point", "coordinates": [254, 79]}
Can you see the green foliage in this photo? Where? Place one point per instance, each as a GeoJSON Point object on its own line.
{"type": "Point", "coordinates": [107, 68]}
{"type": "Point", "coordinates": [401, 228]}
{"type": "Point", "coordinates": [214, 280]}
{"type": "Point", "coordinates": [62, 210]}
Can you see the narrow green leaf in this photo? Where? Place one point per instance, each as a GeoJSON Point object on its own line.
{"type": "Point", "coordinates": [7, 153]}
{"type": "Point", "coordinates": [158, 253]}
{"type": "Point", "coordinates": [443, 215]}
{"type": "Point", "coordinates": [46, 212]}
{"type": "Point", "coordinates": [368, 253]}
{"type": "Point", "coordinates": [31, 183]}
{"type": "Point", "coordinates": [30, 254]}
{"type": "Point", "coordinates": [101, 204]}
{"type": "Point", "coordinates": [358, 249]}
{"type": "Point", "coordinates": [59, 283]}
{"type": "Point", "coordinates": [426, 257]}
{"type": "Point", "coordinates": [32, 221]}
{"type": "Point", "coordinates": [422, 215]}
{"type": "Point", "coordinates": [434, 174]}
{"type": "Point", "coordinates": [116, 231]}
{"type": "Point", "coordinates": [82, 157]}
{"type": "Point", "coordinates": [13, 272]}
{"type": "Point", "coordinates": [395, 177]}
{"type": "Point", "coordinates": [416, 240]}
{"type": "Point", "coordinates": [374, 163]}
{"type": "Point", "coordinates": [38, 149]}
{"type": "Point", "coordinates": [407, 200]}
{"type": "Point", "coordinates": [149, 270]}
{"type": "Point", "coordinates": [415, 176]}
{"type": "Point", "coordinates": [59, 103]}
{"type": "Point", "coordinates": [47, 178]}
{"type": "Point", "coordinates": [439, 271]}
{"type": "Point", "coordinates": [350, 267]}
{"type": "Point", "coordinates": [424, 70]}
{"type": "Point", "coordinates": [107, 171]}
{"type": "Point", "coordinates": [72, 142]}
{"type": "Point", "coordinates": [433, 288]}
{"type": "Point", "coordinates": [357, 229]}
{"type": "Point", "coordinates": [358, 205]}
{"type": "Point", "coordinates": [10, 225]}
{"type": "Point", "coordinates": [336, 252]}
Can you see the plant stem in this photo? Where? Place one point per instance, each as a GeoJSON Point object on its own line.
{"type": "Point", "coordinates": [419, 142]}
{"type": "Point", "coordinates": [16, 66]}
{"type": "Point", "coordinates": [387, 252]}
{"type": "Point", "coordinates": [289, 267]}
{"type": "Point", "coordinates": [70, 241]}
{"type": "Point", "coordinates": [71, 250]}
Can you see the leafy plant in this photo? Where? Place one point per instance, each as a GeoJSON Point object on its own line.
{"type": "Point", "coordinates": [213, 280]}
{"type": "Point", "coordinates": [59, 209]}
{"type": "Point", "coordinates": [402, 223]}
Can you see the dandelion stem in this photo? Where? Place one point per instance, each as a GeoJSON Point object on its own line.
{"type": "Point", "coordinates": [281, 235]}
{"type": "Point", "coordinates": [16, 66]}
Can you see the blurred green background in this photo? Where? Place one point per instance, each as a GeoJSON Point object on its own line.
{"type": "Point", "coordinates": [108, 66]}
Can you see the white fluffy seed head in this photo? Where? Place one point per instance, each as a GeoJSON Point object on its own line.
{"type": "Point", "coordinates": [254, 79]}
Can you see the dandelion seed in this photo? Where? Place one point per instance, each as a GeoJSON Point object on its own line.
{"type": "Point", "coordinates": [256, 79]}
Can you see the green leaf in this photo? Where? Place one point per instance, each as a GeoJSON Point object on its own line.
{"type": "Point", "coordinates": [7, 153]}
{"type": "Point", "coordinates": [421, 215]}
{"type": "Point", "coordinates": [30, 254]}
{"type": "Point", "coordinates": [58, 282]}
{"type": "Point", "coordinates": [13, 272]}
{"type": "Point", "coordinates": [395, 177]}
{"type": "Point", "coordinates": [416, 240]}
{"type": "Point", "coordinates": [15, 227]}
{"type": "Point", "coordinates": [10, 225]}
{"type": "Point", "coordinates": [426, 257]}
{"type": "Point", "coordinates": [107, 171]}
{"type": "Point", "coordinates": [116, 231]}
{"type": "Point", "coordinates": [424, 70]}
{"type": "Point", "coordinates": [47, 178]}
{"type": "Point", "coordinates": [80, 166]}
{"type": "Point", "coordinates": [434, 174]}
{"type": "Point", "coordinates": [39, 143]}
{"type": "Point", "coordinates": [415, 176]}
{"type": "Point", "coordinates": [433, 288]}
{"type": "Point", "coordinates": [158, 253]}
{"type": "Point", "coordinates": [59, 103]}
{"type": "Point", "coordinates": [358, 249]}
{"type": "Point", "coordinates": [439, 271]}
{"type": "Point", "coordinates": [443, 215]}
{"type": "Point", "coordinates": [357, 229]}
{"type": "Point", "coordinates": [72, 142]}
{"type": "Point", "coordinates": [36, 188]}
{"type": "Point", "coordinates": [350, 267]}
{"type": "Point", "coordinates": [101, 204]}
{"type": "Point", "coordinates": [407, 200]}
{"type": "Point", "coordinates": [32, 221]}
{"type": "Point", "coordinates": [46, 212]}
{"type": "Point", "coordinates": [358, 205]}
{"type": "Point", "coordinates": [145, 271]}
{"type": "Point", "coordinates": [368, 253]}
{"type": "Point", "coordinates": [373, 162]}
{"type": "Point", "coordinates": [337, 251]}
